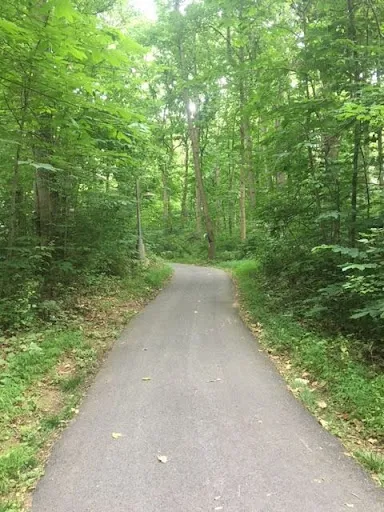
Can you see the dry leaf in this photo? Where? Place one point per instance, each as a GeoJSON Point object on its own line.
{"type": "Point", "coordinates": [217, 497]}
{"type": "Point", "coordinates": [322, 404]}
{"type": "Point", "coordinates": [162, 458]}
{"type": "Point", "coordinates": [324, 423]}
{"type": "Point", "coordinates": [218, 508]}
{"type": "Point", "coordinates": [349, 505]}
{"type": "Point", "coordinates": [116, 435]}
{"type": "Point", "coordinates": [301, 382]}
{"type": "Point", "coordinates": [146, 379]}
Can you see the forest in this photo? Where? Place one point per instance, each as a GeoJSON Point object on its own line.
{"type": "Point", "coordinates": [240, 133]}
{"type": "Point", "coordinates": [254, 129]}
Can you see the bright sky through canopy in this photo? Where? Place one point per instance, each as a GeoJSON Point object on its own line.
{"type": "Point", "coordinates": [147, 7]}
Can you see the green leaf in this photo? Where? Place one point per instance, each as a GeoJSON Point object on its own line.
{"type": "Point", "coordinates": [10, 27]}
{"type": "Point", "coordinates": [359, 266]}
{"type": "Point", "coordinates": [64, 9]}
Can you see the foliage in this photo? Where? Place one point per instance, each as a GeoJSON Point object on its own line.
{"type": "Point", "coordinates": [72, 136]}
{"type": "Point", "coordinates": [364, 273]}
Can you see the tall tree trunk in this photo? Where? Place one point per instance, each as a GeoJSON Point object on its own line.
{"type": "Point", "coordinates": [199, 222]}
{"type": "Point", "coordinates": [355, 74]}
{"type": "Point", "coordinates": [195, 143]}
{"type": "Point", "coordinates": [15, 199]}
{"type": "Point", "coordinates": [164, 180]}
{"type": "Point", "coordinates": [243, 158]}
{"type": "Point", "coordinates": [218, 200]}
{"type": "Point", "coordinates": [199, 179]}
{"type": "Point", "coordinates": [45, 193]}
{"type": "Point", "coordinates": [380, 156]}
{"type": "Point", "coordinates": [243, 217]}
{"type": "Point", "coordinates": [184, 212]}
{"type": "Point", "coordinates": [354, 184]}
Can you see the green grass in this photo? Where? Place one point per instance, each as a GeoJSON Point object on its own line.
{"type": "Point", "coordinates": [351, 387]}
{"type": "Point", "coordinates": [373, 461]}
{"type": "Point", "coordinates": [34, 400]}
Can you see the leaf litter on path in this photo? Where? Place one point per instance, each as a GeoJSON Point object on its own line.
{"type": "Point", "coordinates": [162, 458]}
{"type": "Point", "coordinates": [116, 435]}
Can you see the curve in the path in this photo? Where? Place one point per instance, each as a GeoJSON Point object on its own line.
{"type": "Point", "coordinates": [235, 438]}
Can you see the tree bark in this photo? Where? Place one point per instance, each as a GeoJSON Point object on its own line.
{"type": "Point", "coordinates": [184, 212]}
{"type": "Point", "coordinates": [355, 75]}
{"type": "Point", "coordinates": [243, 156]}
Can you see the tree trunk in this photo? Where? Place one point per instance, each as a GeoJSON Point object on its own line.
{"type": "Point", "coordinates": [199, 180]}
{"type": "Point", "coordinates": [354, 184]}
{"type": "Point", "coordinates": [198, 209]}
{"type": "Point", "coordinates": [243, 164]}
{"type": "Point", "coordinates": [45, 200]}
{"type": "Point", "coordinates": [164, 179]}
{"type": "Point", "coordinates": [195, 143]}
{"type": "Point", "coordinates": [355, 73]}
{"type": "Point", "coordinates": [380, 156]}
{"type": "Point", "coordinates": [184, 212]}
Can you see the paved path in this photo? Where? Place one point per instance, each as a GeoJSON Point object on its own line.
{"type": "Point", "coordinates": [235, 438]}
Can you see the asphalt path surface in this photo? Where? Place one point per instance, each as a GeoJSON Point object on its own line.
{"type": "Point", "coordinates": [235, 438]}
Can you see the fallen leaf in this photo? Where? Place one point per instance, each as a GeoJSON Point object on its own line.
{"type": "Point", "coordinates": [372, 441]}
{"type": "Point", "coordinates": [218, 508]}
{"type": "Point", "coordinates": [324, 423]}
{"type": "Point", "coordinates": [322, 404]}
{"type": "Point", "coordinates": [350, 505]}
{"type": "Point", "coordinates": [215, 380]}
{"type": "Point", "coordinates": [302, 382]}
{"type": "Point", "coordinates": [217, 497]}
{"type": "Point", "coordinates": [162, 458]}
{"type": "Point", "coordinates": [146, 379]}
{"type": "Point", "coordinates": [116, 435]}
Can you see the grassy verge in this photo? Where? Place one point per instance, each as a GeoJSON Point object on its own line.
{"type": "Point", "coordinates": [44, 375]}
{"type": "Point", "coordinates": [343, 391]}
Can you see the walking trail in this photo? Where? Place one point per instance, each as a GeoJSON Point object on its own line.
{"type": "Point", "coordinates": [235, 439]}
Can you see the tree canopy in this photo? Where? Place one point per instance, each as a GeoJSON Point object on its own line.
{"type": "Point", "coordinates": [254, 129]}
